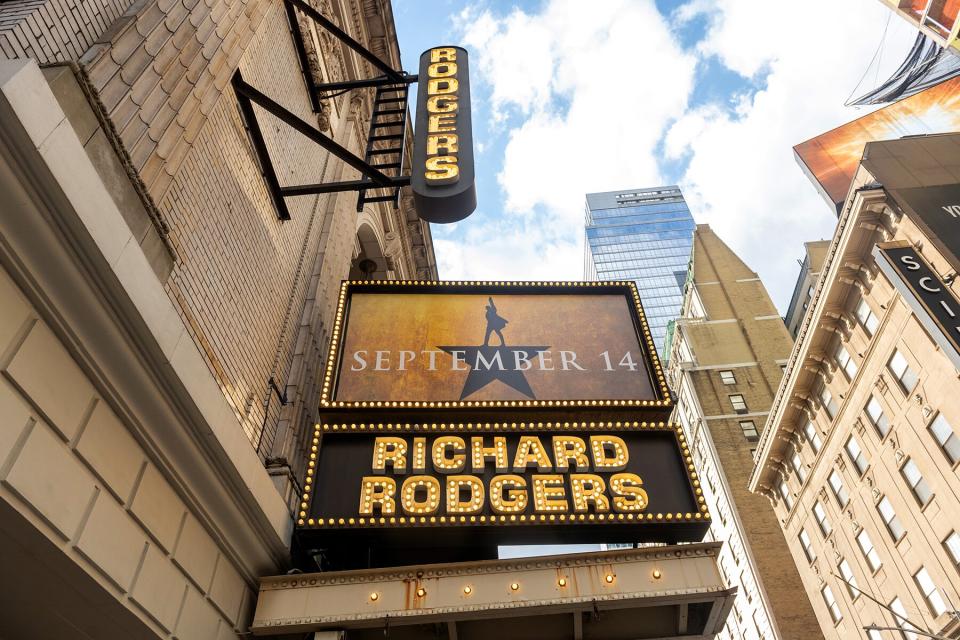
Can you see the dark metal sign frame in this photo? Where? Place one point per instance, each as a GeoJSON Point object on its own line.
{"type": "Point", "coordinates": [561, 526]}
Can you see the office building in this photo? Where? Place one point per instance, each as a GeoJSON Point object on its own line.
{"type": "Point", "coordinates": [727, 351]}
{"type": "Point", "coordinates": [860, 453]}
{"type": "Point", "coordinates": [643, 235]}
{"type": "Point", "coordinates": [813, 257]}
{"type": "Point", "coordinates": [162, 322]}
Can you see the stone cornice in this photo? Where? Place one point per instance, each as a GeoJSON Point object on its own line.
{"type": "Point", "coordinates": [807, 357]}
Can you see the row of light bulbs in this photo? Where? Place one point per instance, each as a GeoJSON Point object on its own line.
{"type": "Point", "coordinates": [609, 578]}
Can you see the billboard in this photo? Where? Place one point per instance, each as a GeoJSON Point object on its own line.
{"type": "Point", "coordinates": [933, 302]}
{"type": "Point", "coordinates": [401, 344]}
{"type": "Point", "coordinates": [831, 159]}
{"type": "Point", "coordinates": [503, 482]}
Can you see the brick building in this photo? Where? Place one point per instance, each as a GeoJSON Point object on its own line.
{"type": "Point", "coordinates": [161, 325]}
{"type": "Point", "coordinates": [860, 452]}
{"type": "Point", "coordinates": [726, 355]}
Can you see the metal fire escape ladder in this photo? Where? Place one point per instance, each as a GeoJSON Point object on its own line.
{"type": "Point", "coordinates": [385, 140]}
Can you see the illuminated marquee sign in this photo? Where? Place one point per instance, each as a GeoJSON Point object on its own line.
{"type": "Point", "coordinates": [503, 482]}
{"type": "Point", "coordinates": [463, 345]}
{"type": "Point", "coordinates": [442, 179]}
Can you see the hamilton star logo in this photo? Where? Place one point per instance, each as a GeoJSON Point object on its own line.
{"type": "Point", "coordinates": [490, 362]}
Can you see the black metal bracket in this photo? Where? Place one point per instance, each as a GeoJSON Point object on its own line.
{"type": "Point", "coordinates": [247, 96]}
{"type": "Point", "coordinates": [391, 88]}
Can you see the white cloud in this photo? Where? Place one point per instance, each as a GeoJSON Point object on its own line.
{"type": "Point", "coordinates": [742, 178]}
{"type": "Point", "coordinates": [596, 85]}
{"type": "Point", "coordinates": [501, 249]}
{"type": "Point", "coordinates": [597, 97]}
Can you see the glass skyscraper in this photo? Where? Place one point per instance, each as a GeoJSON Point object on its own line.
{"type": "Point", "coordinates": [644, 235]}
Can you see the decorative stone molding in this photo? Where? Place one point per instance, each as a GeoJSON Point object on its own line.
{"type": "Point", "coordinates": [859, 426]}
{"type": "Point", "coordinates": [840, 462]}
{"type": "Point", "coordinates": [881, 383]}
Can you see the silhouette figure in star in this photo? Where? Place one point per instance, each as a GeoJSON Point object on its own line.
{"type": "Point", "coordinates": [494, 324]}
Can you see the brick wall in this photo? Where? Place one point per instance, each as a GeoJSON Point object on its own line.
{"type": "Point", "coordinates": [70, 466]}
{"type": "Point", "coordinates": [255, 293]}
{"type": "Point", "coordinates": [55, 30]}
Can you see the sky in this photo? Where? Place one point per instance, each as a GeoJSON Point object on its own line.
{"type": "Point", "coordinates": [571, 97]}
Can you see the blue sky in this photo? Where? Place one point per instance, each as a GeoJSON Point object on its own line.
{"type": "Point", "coordinates": [571, 97]}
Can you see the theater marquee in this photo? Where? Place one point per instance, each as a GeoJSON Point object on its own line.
{"type": "Point", "coordinates": [496, 483]}
{"type": "Point", "coordinates": [492, 345]}
{"type": "Point", "coordinates": [442, 178]}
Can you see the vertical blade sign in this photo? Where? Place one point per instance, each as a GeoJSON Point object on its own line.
{"type": "Point", "coordinates": [443, 182]}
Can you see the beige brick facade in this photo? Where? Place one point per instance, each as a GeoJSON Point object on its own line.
{"type": "Point", "coordinates": [90, 491]}
{"type": "Point", "coordinates": [149, 294]}
{"type": "Point", "coordinates": [855, 431]}
{"type": "Point", "coordinates": [725, 365]}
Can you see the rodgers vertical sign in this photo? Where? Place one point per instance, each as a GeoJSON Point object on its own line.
{"type": "Point", "coordinates": [443, 178]}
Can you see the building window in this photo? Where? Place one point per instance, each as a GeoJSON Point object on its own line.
{"type": "Point", "coordinates": [739, 405]}
{"type": "Point", "coordinates": [829, 405]}
{"type": "Point", "coordinates": [930, 592]}
{"type": "Point", "coordinates": [869, 552]}
{"type": "Point", "coordinates": [902, 372]}
{"type": "Point", "coordinates": [848, 579]}
{"type": "Point", "coordinates": [798, 467]}
{"type": "Point", "coordinates": [846, 362]}
{"type": "Point", "coordinates": [900, 616]}
{"type": "Point", "coordinates": [821, 516]}
{"type": "Point", "coordinates": [839, 491]}
{"type": "Point", "coordinates": [919, 487]}
{"type": "Point", "coordinates": [857, 457]}
{"type": "Point", "coordinates": [945, 436]}
{"type": "Point", "coordinates": [952, 545]}
{"type": "Point", "coordinates": [727, 377]}
{"type": "Point", "coordinates": [784, 491]}
{"type": "Point", "coordinates": [875, 414]}
{"type": "Point", "coordinates": [749, 430]}
{"type": "Point", "coordinates": [890, 519]}
{"type": "Point", "coordinates": [831, 603]}
{"type": "Point", "coordinates": [808, 546]}
{"type": "Point", "coordinates": [868, 320]}
{"type": "Point", "coordinates": [810, 433]}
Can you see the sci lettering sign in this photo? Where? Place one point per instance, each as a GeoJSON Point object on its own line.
{"type": "Point", "coordinates": [442, 179]}
{"type": "Point", "coordinates": [455, 345]}
{"type": "Point", "coordinates": [503, 483]}
{"type": "Point", "coordinates": [932, 301]}
{"type": "Point", "coordinates": [936, 210]}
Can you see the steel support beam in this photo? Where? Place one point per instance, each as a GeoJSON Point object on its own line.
{"type": "Point", "coordinates": [361, 84]}
{"type": "Point", "coordinates": [260, 147]}
{"type": "Point", "coordinates": [336, 187]}
{"type": "Point", "coordinates": [268, 104]}
{"type": "Point", "coordinates": [342, 35]}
